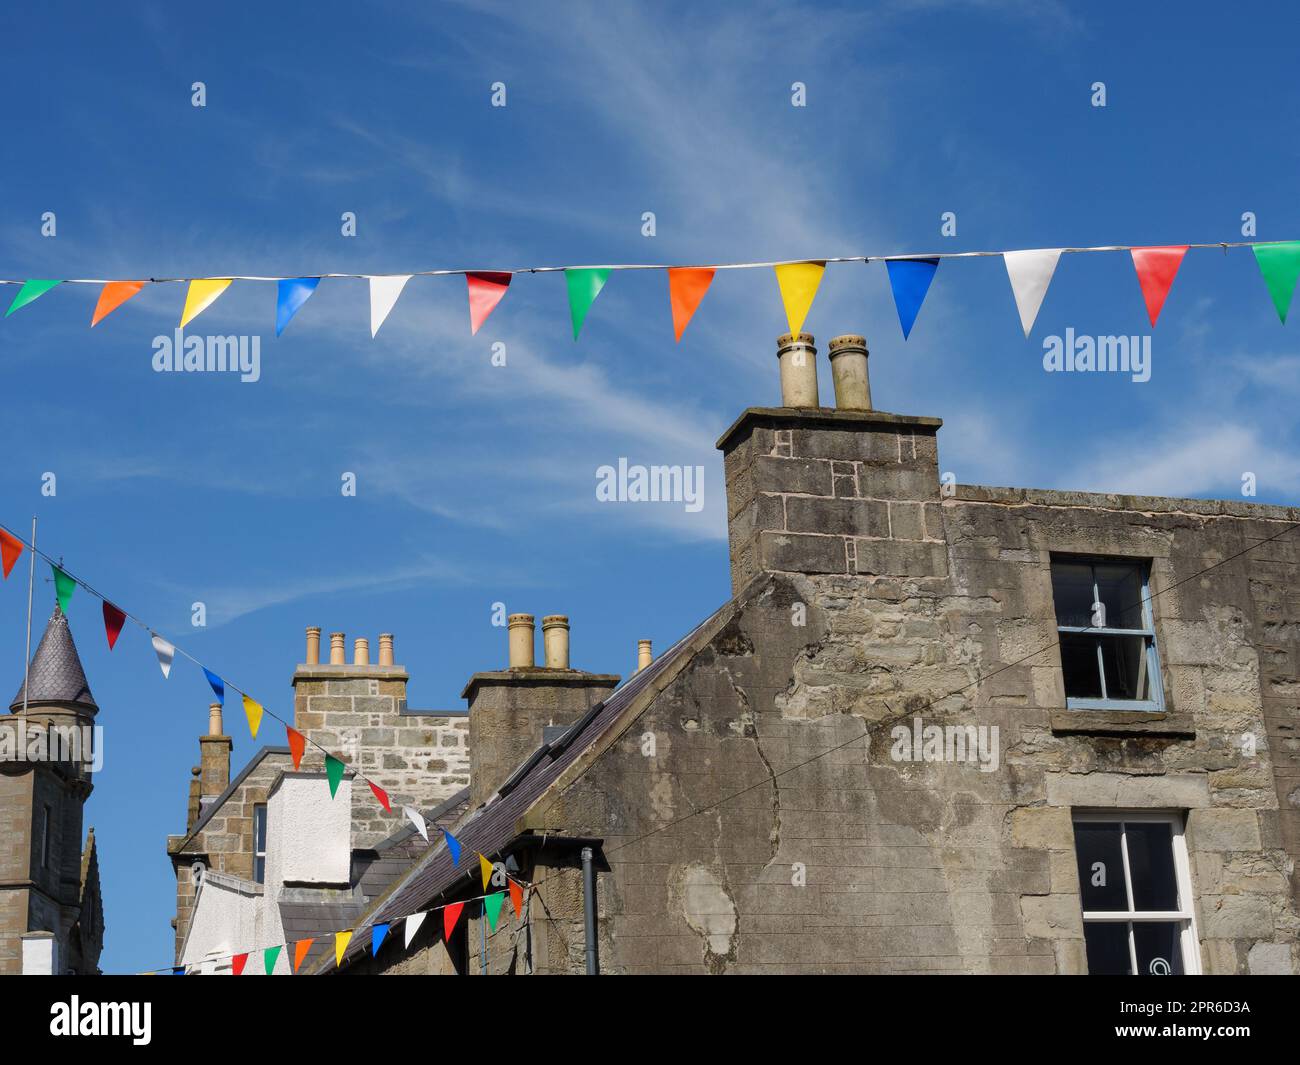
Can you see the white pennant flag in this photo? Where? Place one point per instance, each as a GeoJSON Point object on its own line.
{"type": "Point", "coordinates": [1030, 272]}
{"type": "Point", "coordinates": [413, 925]}
{"type": "Point", "coordinates": [165, 652]}
{"type": "Point", "coordinates": [383, 297]}
{"type": "Point", "coordinates": [417, 820]}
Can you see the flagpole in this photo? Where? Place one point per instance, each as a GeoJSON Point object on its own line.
{"type": "Point", "coordinates": [31, 580]}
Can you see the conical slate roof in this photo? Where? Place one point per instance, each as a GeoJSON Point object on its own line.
{"type": "Point", "coordinates": [56, 675]}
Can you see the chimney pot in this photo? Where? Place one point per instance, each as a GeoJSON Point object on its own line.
{"type": "Point", "coordinates": [313, 645]}
{"type": "Point", "coordinates": [848, 355]}
{"type": "Point", "coordinates": [214, 719]}
{"type": "Point", "coordinates": [361, 652]}
{"type": "Point", "coordinates": [798, 359]}
{"type": "Point", "coordinates": [643, 655]}
{"type": "Point", "coordinates": [555, 640]}
{"type": "Point", "coordinates": [521, 629]}
{"type": "Point", "coordinates": [338, 653]}
{"type": "Point", "coordinates": [385, 648]}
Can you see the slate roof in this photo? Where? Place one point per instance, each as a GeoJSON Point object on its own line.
{"type": "Point", "coordinates": [491, 827]}
{"type": "Point", "coordinates": [55, 674]}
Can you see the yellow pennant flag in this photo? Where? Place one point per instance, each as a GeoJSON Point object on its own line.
{"type": "Point", "coordinates": [202, 294]}
{"type": "Point", "coordinates": [254, 711]}
{"type": "Point", "coordinates": [485, 867]}
{"type": "Point", "coordinates": [798, 283]}
{"type": "Point", "coordinates": [341, 941]}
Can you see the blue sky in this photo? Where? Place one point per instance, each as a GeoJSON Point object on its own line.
{"type": "Point", "coordinates": [476, 484]}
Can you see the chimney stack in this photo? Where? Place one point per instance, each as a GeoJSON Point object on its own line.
{"type": "Point", "coordinates": [214, 756]}
{"type": "Point", "coordinates": [643, 655]}
{"type": "Point", "coordinates": [313, 645]}
{"type": "Point", "coordinates": [361, 651]}
{"type": "Point", "coordinates": [848, 355]}
{"type": "Point", "coordinates": [338, 652]}
{"type": "Point", "coordinates": [555, 641]}
{"type": "Point", "coordinates": [798, 359]}
{"type": "Point", "coordinates": [521, 629]}
{"type": "Point", "coordinates": [385, 648]}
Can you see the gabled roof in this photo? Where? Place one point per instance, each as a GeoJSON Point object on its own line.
{"type": "Point", "coordinates": [494, 825]}
{"type": "Point", "coordinates": [55, 674]}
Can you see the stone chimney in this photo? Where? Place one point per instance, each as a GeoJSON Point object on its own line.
{"type": "Point", "coordinates": [644, 656]}
{"type": "Point", "coordinates": [510, 708]}
{"type": "Point", "coordinates": [846, 490]}
{"type": "Point", "coordinates": [214, 756]}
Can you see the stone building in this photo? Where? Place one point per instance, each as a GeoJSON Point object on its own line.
{"type": "Point", "coordinates": [269, 856]}
{"type": "Point", "coordinates": [51, 911]}
{"type": "Point", "coordinates": [937, 728]}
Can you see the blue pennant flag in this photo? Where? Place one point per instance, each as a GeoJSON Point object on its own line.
{"type": "Point", "coordinates": [292, 293]}
{"type": "Point", "coordinates": [910, 279]}
{"type": "Point", "coordinates": [377, 934]}
{"type": "Point", "coordinates": [218, 685]}
{"type": "Point", "coordinates": [453, 845]}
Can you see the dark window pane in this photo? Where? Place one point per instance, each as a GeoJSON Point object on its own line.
{"type": "Point", "coordinates": [1151, 865]}
{"type": "Point", "coordinates": [1079, 666]}
{"type": "Point", "coordinates": [1107, 945]}
{"type": "Point", "coordinates": [1072, 593]}
{"type": "Point", "coordinates": [1158, 949]}
{"type": "Point", "coordinates": [1119, 587]}
{"type": "Point", "coordinates": [259, 870]}
{"type": "Point", "coordinates": [259, 828]}
{"type": "Point", "coordinates": [1125, 662]}
{"type": "Point", "coordinates": [1101, 865]}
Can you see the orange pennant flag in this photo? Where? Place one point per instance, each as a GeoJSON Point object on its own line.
{"type": "Point", "coordinates": [450, 916]}
{"type": "Point", "coordinates": [112, 296]}
{"type": "Point", "coordinates": [300, 951]}
{"type": "Point", "coordinates": [297, 744]}
{"type": "Point", "coordinates": [686, 288]}
{"type": "Point", "coordinates": [10, 548]}
{"type": "Point", "coordinates": [517, 899]}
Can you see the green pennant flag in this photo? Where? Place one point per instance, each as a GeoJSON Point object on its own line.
{"type": "Point", "coordinates": [584, 286]}
{"type": "Point", "coordinates": [492, 908]}
{"type": "Point", "coordinates": [30, 292]}
{"type": "Point", "coordinates": [64, 586]}
{"type": "Point", "coordinates": [333, 770]}
{"type": "Point", "coordinates": [269, 958]}
{"type": "Point", "coordinates": [1280, 265]}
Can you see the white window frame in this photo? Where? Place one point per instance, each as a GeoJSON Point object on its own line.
{"type": "Point", "coordinates": [1188, 940]}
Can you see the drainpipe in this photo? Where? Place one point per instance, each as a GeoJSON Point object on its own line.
{"type": "Point", "coordinates": [589, 911]}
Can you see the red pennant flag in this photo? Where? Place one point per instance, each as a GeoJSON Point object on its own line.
{"type": "Point", "coordinates": [381, 795]}
{"type": "Point", "coordinates": [112, 296]}
{"type": "Point", "coordinates": [300, 951]}
{"type": "Point", "coordinates": [113, 621]}
{"type": "Point", "coordinates": [237, 963]}
{"type": "Point", "coordinates": [1156, 268]}
{"type": "Point", "coordinates": [449, 918]}
{"type": "Point", "coordinates": [10, 548]}
{"type": "Point", "coordinates": [485, 292]}
{"type": "Point", "coordinates": [297, 744]}
{"type": "Point", "coordinates": [517, 899]}
{"type": "Point", "coordinates": [686, 288]}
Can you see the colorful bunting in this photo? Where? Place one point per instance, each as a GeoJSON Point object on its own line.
{"type": "Point", "coordinates": [686, 288]}
{"type": "Point", "coordinates": [485, 292]}
{"type": "Point", "coordinates": [64, 586]}
{"type": "Point", "coordinates": [112, 296]}
{"type": "Point", "coordinates": [910, 281]}
{"type": "Point", "coordinates": [269, 957]}
{"type": "Point", "coordinates": [485, 869]}
{"type": "Point", "coordinates": [10, 548]}
{"type": "Point", "coordinates": [1030, 273]}
{"type": "Point", "coordinates": [450, 916]}
{"type": "Point", "coordinates": [517, 899]}
{"type": "Point", "coordinates": [798, 283]}
{"type": "Point", "coordinates": [417, 820]}
{"type": "Point", "coordinates": [165, 652]}
{"type": "Point", "coordinates": [253, 710]}
{"type": "Point", "coordinates": [584, 286]}
{"type": "Point", "coordinates": [453, 846]}
{"type": "Point", "coordinates": [29, 293]}
{"type": "Point", "coordinates": [377, 934]}
{"type": "Point", "coordinates": [300, 949]}
{"type": "Point", "coordinates": [383, 297]}
{"type": "Point", "coordinates": [1156, 268]}
{"type": "Point", "coordinates": [114, 619]}
{"type": "Point", "coordinates": [201, 295]}
{"type": "Point", "coordinates": [1280, 265]}
{"type": "Point", "coordinates": [291, 294]}
{"type": "Point", "coordinates": [218, 685]}
{"type": "Point", "coordinates": [341, 941]}
{"type": "Point", "coordinates": [237, 963]}
{"type": "Point", "coordinates": [413, 924]}
{"type": "Point", "coordinates": [381, 795]}
{"type": "Point", "coordinates": [492, 908]}
{"type": "Point", "coordinates": [334, 772]}
{"type": "Point", "coordinates": [297, 745]}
